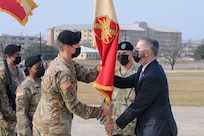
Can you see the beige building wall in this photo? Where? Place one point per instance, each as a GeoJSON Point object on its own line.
{"type": "Point", "coordinates": [130, 32]}
{"type": "Point", "coordinates": [87, 36]}
{"type": "Point", "coordinates": [131, 36]}
{"type": "Point", "coordinates": [86, 33]}
{"type": "Point", "coordinates": [166, 38]}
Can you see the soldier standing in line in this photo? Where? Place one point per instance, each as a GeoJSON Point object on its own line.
{"type": "Point", "coordinates": [8, 91]}
{"type": "Point", "coordinates": [58, 101]}
{"type": "Point", "coordinates": [28, 95]}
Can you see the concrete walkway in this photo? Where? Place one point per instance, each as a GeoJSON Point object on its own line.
{"type": "Point", "coordinates": [190, 122]}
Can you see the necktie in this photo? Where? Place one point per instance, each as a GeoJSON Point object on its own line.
{"type": "Point", "coordinates": [141, 74]}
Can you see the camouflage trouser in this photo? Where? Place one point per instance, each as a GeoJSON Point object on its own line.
{"type": "Point", "coordinates": [7, 128]}
{"type": "Point", "coordinates": [3, 128]}
{"type": "Point", "coordinates": [11, 128]}
{"type": "Point", "coordinates": [39, 132]}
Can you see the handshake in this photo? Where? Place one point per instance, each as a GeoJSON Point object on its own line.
{"type": "Point", "coordinates": [109, 126]}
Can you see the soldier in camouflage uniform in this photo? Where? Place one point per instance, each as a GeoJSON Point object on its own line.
{"type": "Point", "coordinates": [122, 98]}
{"type": "Point", "coordinates": [28, 95]}
{"type": "Point", "coordinates": [7, 112]}
{"type": "Point", "coordinates": [58, 101]}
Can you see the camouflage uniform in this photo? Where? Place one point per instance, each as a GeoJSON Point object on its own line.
{"type": "Point", "coordinates": [121, 99]}
{"type": "Point", "coordinates": [58, 101]}
{"type": "Point", "coordinates": [27, 98]}
{"type": "Point", "coordinates": [7, 113]}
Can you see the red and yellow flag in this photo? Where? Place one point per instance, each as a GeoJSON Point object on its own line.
{"type": "Point", "coordinates": [19, 9]}
{"type": "Point", "coordinates": [106, 31]}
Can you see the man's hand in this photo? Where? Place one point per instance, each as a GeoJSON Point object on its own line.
{"type": "Point", "coordinates": [110, 127]}
{"type": "Point", "coordinates": [106, 109]}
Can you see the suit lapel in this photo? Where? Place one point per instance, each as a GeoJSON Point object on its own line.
{"type": "Point", "coordinates": [147, 69]}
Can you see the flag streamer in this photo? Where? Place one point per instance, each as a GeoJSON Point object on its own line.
{"type": "Point", "coordinates": [106, 31]}
{"type": "Point", "coordinates": [19, 9]}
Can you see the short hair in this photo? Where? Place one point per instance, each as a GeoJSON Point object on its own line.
{"type": "Point", "coordinates": [152, 44]}
{"type": "Point", "coordinates": [59, 45]}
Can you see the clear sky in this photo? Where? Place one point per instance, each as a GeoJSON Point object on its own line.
{"type": "Point", "coordinates": [185, 16]}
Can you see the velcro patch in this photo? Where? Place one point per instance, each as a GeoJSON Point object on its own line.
{"type": "Point", "coordinates": [66, 85]}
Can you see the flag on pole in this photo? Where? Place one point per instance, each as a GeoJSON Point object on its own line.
{"type": "Point", "coordinates": [106, 31]}
{"type": "Point", "coordinates": [19, 9]}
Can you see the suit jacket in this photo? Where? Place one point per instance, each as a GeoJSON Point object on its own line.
{"type": "Point", "coordinates": [151, 106]}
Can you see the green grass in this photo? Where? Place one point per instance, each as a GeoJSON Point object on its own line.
{"type": "Point", "coordinates": [186, 88]}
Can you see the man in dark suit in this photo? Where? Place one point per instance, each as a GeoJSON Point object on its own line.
{"type": "Point", "coordinates": [151, 106]}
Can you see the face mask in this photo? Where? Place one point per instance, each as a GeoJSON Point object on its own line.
{"type": "Point", "coordinates": [123, 59]}
{"type": "Point", "coordinates": [40, 71]}
{"type": "Point", "coordinates": [17, 60]}
{"type": "Point", "coordinates": [77, 52]}
{"type": "Point", "coordinates": [136, 56]}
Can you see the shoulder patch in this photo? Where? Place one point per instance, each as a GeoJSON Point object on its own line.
{"type": "Point", "coordinates": [66, 85]}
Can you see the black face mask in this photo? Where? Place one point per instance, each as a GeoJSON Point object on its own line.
{"type": "Point", "coordinates": [123, 59]}
{"type": "Point", "coordinates": [136, 56]}
{"type": "Point", "coordinates": [17, 60]}
{"type": "Point", "coordinates": [77, 52]}
{"type": "Point", "coordinates": [40, 71]}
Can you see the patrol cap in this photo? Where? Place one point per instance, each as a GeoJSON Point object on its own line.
{"type": "Point", "coordinates": [69, 37]}
{"type": "Point", "coordinates": [125, 46]}
{"type": "Point", "coordinates": [30, 61]}
{"type": "Point", "coordinates": [11, 49]}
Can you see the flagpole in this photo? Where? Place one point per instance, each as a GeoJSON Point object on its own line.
{"type": "Point", "coordinates": [108, 117]}
{"type": "Point", "coordinates": [106, 30]}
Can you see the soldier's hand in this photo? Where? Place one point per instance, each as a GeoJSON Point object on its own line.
{"type": "Point", "coordinates": [106, 109]}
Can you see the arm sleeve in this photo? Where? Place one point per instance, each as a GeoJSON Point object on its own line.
{"type": "Point", "coordinates": [69, 95]}
{"type": "Point", "coordinates": [149, 91]}
{"type": "Point", "coordinates": [23, 97]}
{"type": "Point", "coordinates": [127, 82]}
{"type": "Point", "coordinates": [6, 108]}
{"type": "Point", "coordinates": [85, 74]}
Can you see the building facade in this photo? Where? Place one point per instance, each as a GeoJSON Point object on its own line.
{"type": "Point", "coordinates": [88, 54]}
{"type": "Point", "coordinates": [130, 32]}
{"type": "Point", "coordinates": [24, 41]}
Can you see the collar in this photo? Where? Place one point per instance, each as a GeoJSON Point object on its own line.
{"type": "Point", "coordinates": [143, 68]}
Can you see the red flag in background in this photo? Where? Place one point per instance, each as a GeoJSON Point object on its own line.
{"type": "Point", "coordinates": [106, 30]}
{"type": "Point", "coordinates": [19, 9]}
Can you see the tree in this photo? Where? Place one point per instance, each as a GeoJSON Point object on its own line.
{"type": "Point", "coordinates": [199, 52]}
{"type": "Point", "coordinates": [171, 53]}
{"type": "Point", "coordinates": [47, 52]}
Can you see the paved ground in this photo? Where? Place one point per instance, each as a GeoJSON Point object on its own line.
{"type": "Point", "coordinates": [190, 122]}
